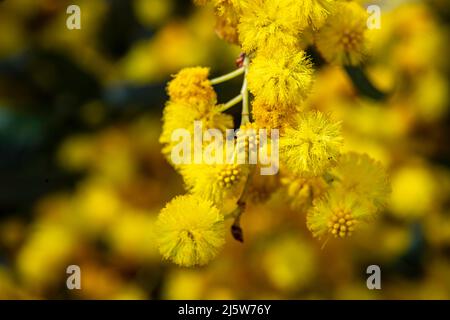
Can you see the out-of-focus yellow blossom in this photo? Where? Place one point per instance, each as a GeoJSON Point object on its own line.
{"type": "Point", "coordinates": [152, 60]}
{"type": "Point", "coordinates": [338, 214]}
{"type": "Point", "coordinates": [363, 176]}
{"type": "Point", "coordinates": [314, 12]}
{"type": "Point", "coordinates": [413, 192]}
{"type": "Point", "coordinates": [96, 206]}
{"type": "Point", "coordinates": [282, 77]}
{"type": "Point", "coordinates": [215, 182]}
{"type": "Point", "coordinates": [132, 236]}
{"type": "Point", "coordinates": [184, 284]}
{"type": "Point", "coordinates": [191, 86]}
{"type": "Point", "coordinates": [190, 231]}
{"type": "Point", "coordinates": [268, 25]}
{"type": "Point", "coordinates": [289, 263]}
{"type": "Point", "coordinates": [45, 255]}
{"type": "Point", "coordinates": [76, 152]}
{"type": "Point", "coordinates": [342, 39]}
{"type": "Point", "coordinates": [431, 97]}
{"type": "Point", "coordinates": [153, 12]}
{"type": "Point", "coordinates": [369, 118]}
{"type": "Point", "coordinates": [312, 145]}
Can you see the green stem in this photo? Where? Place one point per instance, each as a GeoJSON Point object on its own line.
{"type": "Point", "coordinates": [236, 229]}
{"type": "Point", "coordinates": [228, 76]}
{"type": "Point", "coordinates": [244, 92]}
{"type": "Point", "coordinates": [231, 103]}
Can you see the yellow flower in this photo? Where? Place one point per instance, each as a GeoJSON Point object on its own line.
{"type": "Point", "coordinates": [302, 191]}
{"type": "Point", "coordinates": [284, 77]}
{"type": "Point", "coordinates": [190, 231]}
{"type": "Point", "coordinates": [365, 177]}
{"type": "Point", "coordinates": [191, 86]}
{"type": "Point", "coordinates": [312, 145]}
{"type": "Point", "coordinates": [415, 192]}
{"type": "Point", "coordinates": [267, 24]}
{"type": "Point", "coordinates": [342, 40]}
{"type": "Point", "coordinates": [289, 262]}
{"type": "Point", "coordinates": [276, 116]}
{"type": "Point", "coordinates": [314, 12]}
{"type": "Point", "coordinates": [227, 20]}
{"type": "Point", "coordinates": [179, 115]}
{"type": "Point", "coordinates": [215, 182]}
{"type": "Point", "coordinates": [338, 214]}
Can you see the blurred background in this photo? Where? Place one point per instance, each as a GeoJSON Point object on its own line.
{"type": "Point", "coordinates": [82, 178]}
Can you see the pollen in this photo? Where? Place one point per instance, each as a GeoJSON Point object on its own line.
{"type": "Point", "coordinates": [351, 39]}
{"type": "Point", "coordinates": [248, 138]}
{"type": "Point", "coordinates": [341, 224]}
{"type": "Point", "coordinates": [230, 175]}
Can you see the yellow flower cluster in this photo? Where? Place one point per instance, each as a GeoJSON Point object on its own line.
{"type": "Point", "coordinates": [337, 191]}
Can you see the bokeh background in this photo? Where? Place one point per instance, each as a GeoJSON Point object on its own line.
{"type": "Point", "coordinates": [82, 177]}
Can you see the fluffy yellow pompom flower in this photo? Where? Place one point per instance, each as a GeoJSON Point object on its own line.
{"type": "Point", "coordinates": [268, 24]}
{"type": "Point", "coordinates": [312, 145]}
{"type": "Point", "coordinates": [314, 12]}
{"type": "Point", "coordinates": [342, 40]}
{"type": "Point", "coordinates": [284, 77]}
{"type": "Point", "coordinates": [215, 182]}
{"type": "Point", "coordinates": [338, 214]}
{"type": "Point", "coordinates": [363, 176]}
{"type": "Point", "coordinates": [190, 231]}
{"type": "Point", "coordinates": [276, 116]}
{"type": "Point", "coordinates": [191, 85]}
{"type": "Point", "coordinates": [179, 115]}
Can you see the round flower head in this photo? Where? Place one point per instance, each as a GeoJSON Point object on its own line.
{"type": "Point", "coordinates": [191, 85]}
{"type": "Point", "coordinates": [313, 12]}
{"type": "Point", "coordinates": [268, 24]}
{"type": "Point", "coordinates": [302, 191]}
{"type": "Point", "coordinates": [179, 115]}
{"type": "Point", "coordinates": [277, 116]}
{"type": "Point", "coordinates": [312, 145]}
{"type": "Point", "coordinates": [338, 214]}
{"type": "Point", "coordinates": [342, 40]}
{"type": "Point", "coordinates": [284, 77]}
{"type": "Point", "coordinates": [190, 231]}
{"type": "Point", "coordinates": [215, 182]}
{"type": "Point", "coordinates": [365, 177]}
